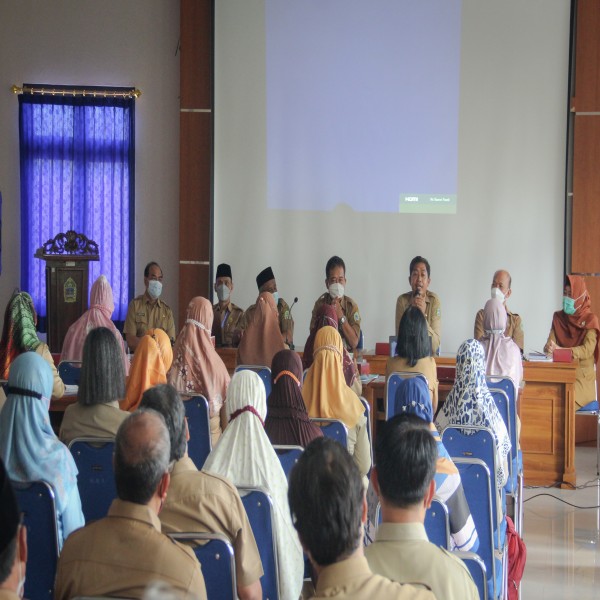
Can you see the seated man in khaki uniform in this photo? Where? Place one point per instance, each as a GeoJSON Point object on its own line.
{"type": "Point", "coordinates": [347, 310]}
{"type": "Point", "coordinates": [148, 311]}
{"type": "Point", "coordinates": [420, 296]}
{"type": "Point", "coordinates": [329, 509]}
{"type": "Point", "coordinates": [265, 281]}
{"type": "Point", "coordinates": [226, 314]}
{"type": "Point", "coordinates": [13, 542]}
{"type": "Point", "coordinates": [122, 553]}
{"type": "Point", "coordinates": [204, 502]}
{"type": "Point", "coordinates": [401, 550]}
{"type": "Point", "coordinates": [501, 289]}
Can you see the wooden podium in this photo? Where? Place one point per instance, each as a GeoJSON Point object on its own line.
{"type": "Point", "coordinates": [67, 259]}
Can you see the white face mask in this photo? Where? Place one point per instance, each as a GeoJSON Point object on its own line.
{"type": "Point", "coordinates": [223, 292]}
{"type": "Point", "coordinates": [497, 294]}
{"type": "Point", "coordinates": [154, 288]}
{"type": "Point", "coordinates": [276, 297]}
{"type": "Point", "coordinates": [336, 290]}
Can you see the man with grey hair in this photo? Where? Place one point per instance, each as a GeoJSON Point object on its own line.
{"type": "Point", "coordinates": [120, 554]}
{"type": "Point", "coordinates": [204, 502]}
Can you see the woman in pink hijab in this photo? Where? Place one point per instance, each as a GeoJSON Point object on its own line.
{"type": "Point", "coordinates": [197, 368]}
{"type": "Point", "coordinates": [502, 355]}
{"type": "Point", "coordinates": [98, 315]}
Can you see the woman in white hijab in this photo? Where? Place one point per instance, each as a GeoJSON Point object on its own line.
{"type": "Point", "coordinates": [244, 455]}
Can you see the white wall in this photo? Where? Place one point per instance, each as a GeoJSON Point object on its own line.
{"type": "Point", "coordinates": [99, 42]}
{"type": "Point", "coordinates": [512, 146]}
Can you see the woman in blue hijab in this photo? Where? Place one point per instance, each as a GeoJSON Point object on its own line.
{"type": "Point", "coordinates": [28, 446]}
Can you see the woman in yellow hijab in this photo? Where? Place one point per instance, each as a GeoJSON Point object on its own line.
{"type": "Point", "coordinates": [327, 395]}
{"type": "Point", "coordinates": [151, 361]}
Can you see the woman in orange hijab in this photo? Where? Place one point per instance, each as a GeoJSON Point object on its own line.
{"type": "Point", "coordinates": [327, 395]}
{"type": "Point", "coordinates": [577, 328]}
{"type": "Point", "coordinates": [151, 361]}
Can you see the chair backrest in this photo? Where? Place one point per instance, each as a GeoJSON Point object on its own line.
{"type": "Point", "coordinates": [333, 428]}
{"type": "Point", "coordinates": [262, 371]}
{"type": "Point", "coordinates": [477, 569]}
{"type": "Point", "coordinates": [504, 383]}
{"type": "Point", "coordinates": [288, 456]}
{"type": "Point", "coordinates": [96, 478]}
{"type": "Point", "coordinates": [215, 555]}
{"type": "Point", "coordinates": [36, 502]}
{"type": "Point", "coordinates": [391, 387]}
{"type": "Point", "coordinates": [507, 410]}
{"type": "Point", "coordinates": [477, 483]}
{"type": "Point", "coordinates": [259, 508]}
{"type": "Point", "coordinates": [70, 371]}
{"type": "Point", "coordinates": [198, 418]}
{"type": "Point", "coordinates": [437, 523]}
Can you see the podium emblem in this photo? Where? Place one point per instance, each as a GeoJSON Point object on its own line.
{"type": "Point", "coordinates": [70, 290]}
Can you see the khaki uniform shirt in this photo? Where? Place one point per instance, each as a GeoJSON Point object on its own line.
{"type": "Point", "coordinates": [204, 502]}
{"type": "Point", "coordinates": [514, 328]}
{"type": "Point", "coordinates": [402, 552]}
{"type": "Point", "coordinates": [97, 420]}
{"type": "Point", "coordinates": [143, 314]}
{"type": "Point", "coordinates": [585, 374]}
{"type": "Point", "coordinates": [351, 312]}
{"type": "Point", "coordinates": [223, 331]}
{"type": "Point", "coordinates": [425, 366]}
{"type": "Point", "coordinates": [286, 322]}
{"type": "Point", "coordinates": [352, 579]}
{"type": "Point", "coordinates": [120, 554]}
{"type": "Point", "coordinates": [433, 316]}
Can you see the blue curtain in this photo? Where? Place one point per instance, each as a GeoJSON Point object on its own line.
{"type": "Point", "coordinates": [77, 172]}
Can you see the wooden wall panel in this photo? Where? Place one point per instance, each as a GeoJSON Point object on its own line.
{"type": "Point", "coordinates": [587, 48]}
{"type": "Point", "coordinates": [193, 280]}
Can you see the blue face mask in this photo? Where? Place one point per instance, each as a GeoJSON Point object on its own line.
{"type": "Point", "coordinates": [568, 305]}
{"type": "Point", "coordinates": [276, 297]}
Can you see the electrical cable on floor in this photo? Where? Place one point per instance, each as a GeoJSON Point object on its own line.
{"type": "Point", "coordinates": [560, 500]}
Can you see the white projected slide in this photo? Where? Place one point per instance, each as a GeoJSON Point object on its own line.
{"type": "Point", "coordinates": [362, 109]}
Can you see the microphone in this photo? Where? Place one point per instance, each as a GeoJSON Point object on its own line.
{"type": "Point", "coordinates": [291, 345]}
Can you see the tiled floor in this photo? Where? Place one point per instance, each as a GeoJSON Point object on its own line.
{"type": "Point", "coordinates": [563, 554]}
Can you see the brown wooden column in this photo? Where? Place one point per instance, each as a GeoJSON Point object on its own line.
{"type": "Point", "coordinates": [584, 155]}
{"type": "Point", "coordinates": [195, 150]}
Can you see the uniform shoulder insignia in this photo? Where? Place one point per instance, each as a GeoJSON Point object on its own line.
{"type": "Point", "coordinates": [356, 317]}
{"type": "Point", "coordinates": [438, 312]}
{"type": "Point", "coordinates": [286, 314]}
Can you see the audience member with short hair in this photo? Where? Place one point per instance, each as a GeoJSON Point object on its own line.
{"type": "Point", "coordinates": [413, 351]}
{"type": "Point", "coordinates": [245, 456]}
{"type": "Point", "coordinates": [28, 445]}
{"type": "Point", "coordinates": [13, 542]}
{"type": "Point", "coordinates": [197, 369]}
{"type": "Point", "coordinates": [329, 510]}
{"type": "Point", "coordinates": [19, 335]}
{"type": "Point", "coordinates": [101, 386]}
{"type": "Point", "coordinates": [502, 355]}
{"type": "Point", "coordinates": [97, 315]}
{"type": "Point", "coordinates": [419, 277]}
{"type": "Point", "coordinates": [120, 554]}
{"type": "Point", "coordinates": [203, 502]}
{"type": "Point", "coordinates": [326, 395]}
{"type": "Point", "coordinates": [412, 398]}
{"type": "Point", "coordinates": [405, 458]}
{"type": "Point", "coordinates": [151, 363]}
{"type": "Point", "coordinates": [287, 421]}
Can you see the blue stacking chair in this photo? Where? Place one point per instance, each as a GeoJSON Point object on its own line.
{"type": "Point", "coordinates": [437, 523]}
{"type": "Point", "coordinates": [96, 479]}
{"type": "Point", "coordinates": [262, 371]}
{"type": "Point", "coordinates": [215, 555]}
{"type": "Point", "coordinates": [477, 569]}
{"type": "Point", "coordinates": [391, 387]}
{"type": "Point", "coordinates": [36, 502]}
{"type": "Point", "coordinates": [332, 428]}
{"type": "Point", "coordinates": [514, 484]}
{"type": "Point", "coordinates": [288, 456]}
{"type": "Point", "coordinates": [478, 485]}
{"type": "Point", "coordinates": [259, 508]}
{"type": "Point", "coordinates": [198, 419]}
{"type": "Point", "coordinates": [70, 371]}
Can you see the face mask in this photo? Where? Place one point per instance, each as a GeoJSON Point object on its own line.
{"type": "Point", "coordinates": [154, 289]}
{"type": "Point", "coordinates": [223, 292]}
{"type": "Point", "coordinates": [276, 297]}
{"type": "Point", "coordinates": [336, 290]}
{"type": "Point", "coordinates": [497, 294]}
{"type": "Point", "coordinates": [568, 305]}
